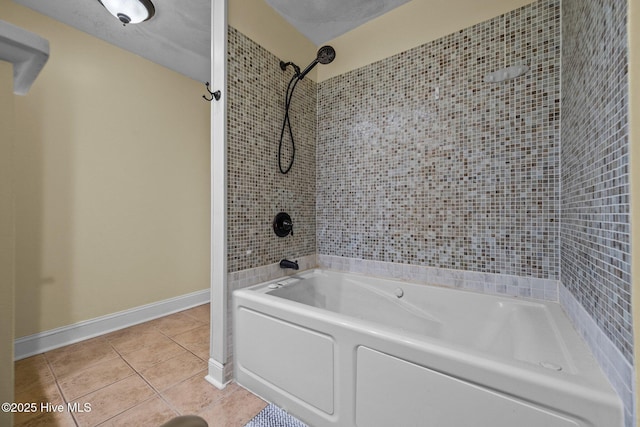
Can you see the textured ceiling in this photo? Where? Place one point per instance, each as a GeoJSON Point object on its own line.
{"type": "Point", "coordinates": [321, 21]}
{"type": "Point", "coordinates": [177, 37]}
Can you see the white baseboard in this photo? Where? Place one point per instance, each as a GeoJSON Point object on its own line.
{"type": "Point", "coordinates": [218, 375]}
{"type": "Point", "coordinates": [59, 337]}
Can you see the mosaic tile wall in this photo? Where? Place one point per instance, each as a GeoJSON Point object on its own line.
{"type": "Point", "coordinates": [257, 190]}
{"type": "Point", "coordinates": [468, 181]}
{"type": "Point", "coordinates": [595, 228]}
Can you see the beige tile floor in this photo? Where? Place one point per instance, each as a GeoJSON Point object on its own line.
{"type": "Point", "coordinates": [139, 376]}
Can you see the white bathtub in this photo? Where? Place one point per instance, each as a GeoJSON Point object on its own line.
{"type": "Point", "coordinates": [339, 349]}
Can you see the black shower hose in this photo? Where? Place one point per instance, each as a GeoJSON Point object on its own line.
{"type": "Point", "coordinates": [286, 124]}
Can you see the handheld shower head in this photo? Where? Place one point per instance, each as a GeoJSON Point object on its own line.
{"type": "Point", "coordinates": [326, 54]}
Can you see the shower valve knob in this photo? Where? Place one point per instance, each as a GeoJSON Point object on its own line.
{"type": "Point", "coordinates": [283, 225]}
{"type": "Point", "coordinates": [288, 225]}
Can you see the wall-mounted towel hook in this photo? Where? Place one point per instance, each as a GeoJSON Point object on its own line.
{"type": "Point", "coordinates": [214, 95]}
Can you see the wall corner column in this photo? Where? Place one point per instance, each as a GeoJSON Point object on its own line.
{"type": "Point", "coordinates": [7, 238]}
{"type": "Point", "coordinates": [219, 372]}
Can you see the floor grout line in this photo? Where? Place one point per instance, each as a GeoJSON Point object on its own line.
{"type": "Point", "coordinates": [189, 347]}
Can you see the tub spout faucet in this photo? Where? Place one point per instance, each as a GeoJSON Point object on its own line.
{"type": "Point", "coordinates": [285, 263]}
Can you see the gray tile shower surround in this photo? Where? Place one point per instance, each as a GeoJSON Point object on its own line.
{"type": "Point", "coordinates": [257, 190]}
{"type": "Point", "coordinates": [470, 182]}
{"type": "Point", "coordinates": [595, 223]}
{"type": "Point", "coordinates": [595, 231]}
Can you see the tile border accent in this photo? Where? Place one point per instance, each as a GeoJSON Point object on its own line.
{"type": "Point", "coordinates": [253, 276]}
{"type": "Point", "coordinates": [614, 365]}
{"type": "Point", "coordinates": [487, 283]}
{"type": "Point", "coordinates": [65, 335]}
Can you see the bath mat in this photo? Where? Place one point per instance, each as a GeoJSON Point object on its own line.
{"type": "Point", "coordinates": [272, 416]}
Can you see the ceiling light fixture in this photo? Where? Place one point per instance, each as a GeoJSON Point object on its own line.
{"type": "Point", "coordinates": [130, 11]}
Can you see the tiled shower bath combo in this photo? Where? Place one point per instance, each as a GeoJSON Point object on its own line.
{"type": "Point", "coordinates": [415, 168]}
{"type": "Point", "coordinates": [455, 247]}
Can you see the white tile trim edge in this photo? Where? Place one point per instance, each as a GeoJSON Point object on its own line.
{"type": "Point", "coordinates": [616, 368]}
{"type": "Point", "coordinates": [488, 283]}
{"type": "Point", "coordinates": [252, 276]}
{"type": "Point", "coordinates": [65, 335]}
